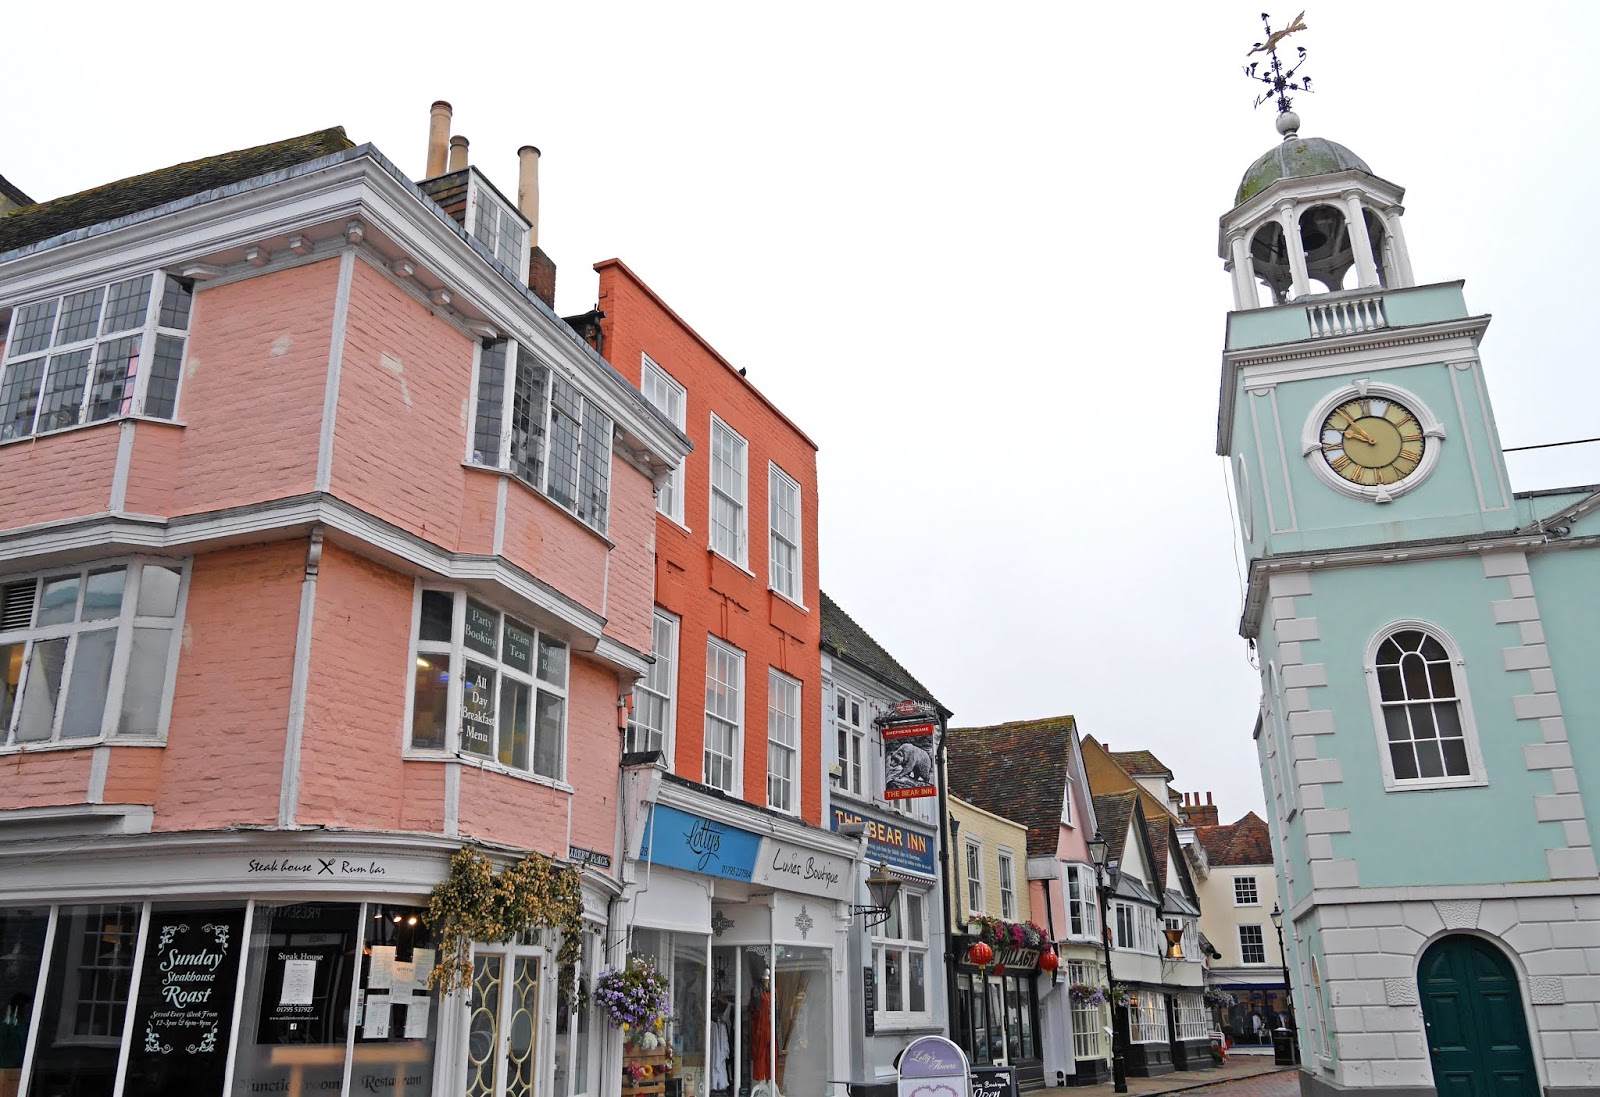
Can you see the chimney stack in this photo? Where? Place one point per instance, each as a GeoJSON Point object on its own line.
{"type": "Point", "coordinates": [528, 189]}
{"type": "Point", "coordinates": [458, 152]}
{"type": "Point", "coordinates": [438, 137]}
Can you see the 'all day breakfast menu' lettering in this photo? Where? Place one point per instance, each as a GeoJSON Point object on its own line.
{"type": "Point", "coordinates": [184, 1011]}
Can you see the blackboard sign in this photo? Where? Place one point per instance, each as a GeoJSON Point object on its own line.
{"type": "Point", "coordinates": [869, 993]}
{"type": "Point", "coordinates": [994, 1082]}
{"type": "Point", "coordinates": [184, 1013]}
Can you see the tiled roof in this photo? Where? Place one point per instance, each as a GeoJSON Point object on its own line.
{"type": "Point", "coordinates": [1018, 770]}
{"type": "Point", "coordinates": [43, 220]}
{"type": "Point", "coordinates": [844, 639]}
{"type": "Point", "coordinates": [1140, 763]}
{"type": "Point", "coordinates": [1113, 810]}
{"type": "Point", "coordinates": [1246, 842]}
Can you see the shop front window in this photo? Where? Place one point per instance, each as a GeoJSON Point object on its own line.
{"type": "Point", "coordinates": [689, 1013]}
{"type": "Point", "coordinates": [22, 933]}
{"type": "Point", "coordinates": [86, 1000]}
{"type": "Point", "coordinates": [803, 1020]}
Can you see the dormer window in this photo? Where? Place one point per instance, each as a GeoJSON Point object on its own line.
{"type": "Point", "coordinates": [493, 222]}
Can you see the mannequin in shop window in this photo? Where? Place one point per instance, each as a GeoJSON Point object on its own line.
{"type": "Point", "coordinates": [761, 1031]}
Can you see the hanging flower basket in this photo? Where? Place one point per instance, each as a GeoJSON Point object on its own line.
{"type": "Point", "coordinates": [1219, 998]}
{"type": "Point", "coordinates": [634, 996]}
{"type": "Point", "coordinates": [999, 933]}
{"type": "Point", "coordinates": [1087, 994]}
{"type": "Point", "coordinates": [1119, 995]}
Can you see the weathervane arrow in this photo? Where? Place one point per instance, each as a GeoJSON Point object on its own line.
{"type": "Point", "coordinates": [1279, 81]}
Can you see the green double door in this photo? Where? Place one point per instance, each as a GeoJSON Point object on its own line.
{"type": "Point", "coordinates": [1477, 1033]}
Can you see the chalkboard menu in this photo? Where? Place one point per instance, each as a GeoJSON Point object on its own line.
{"type": "Point", "coordinates": [184, 1012]}
{"type": "Point", "coordinates": [869, 992]}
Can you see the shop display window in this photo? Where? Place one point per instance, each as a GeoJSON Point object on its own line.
{"type": "Point", "coordinates": [22, 934]}
{"type": "Point", "coordinates": [572, 1051]}
{"type": "Point", "coordinates": [802, 1002]}
{"type": "Point", "coordinates": [396, 1023]}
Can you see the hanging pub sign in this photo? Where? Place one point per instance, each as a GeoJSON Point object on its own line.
{"type": "Point", "coordinates": [908, 761]}
{"type": "Point", "coordinates": [184, 1013]}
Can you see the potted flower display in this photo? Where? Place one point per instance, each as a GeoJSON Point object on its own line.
{"type": "Point", "coordinates": [1087, 994]}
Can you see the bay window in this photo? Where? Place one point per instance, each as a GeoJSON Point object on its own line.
{"type": "Point", "coordinates": [488, 686]}
{"type": "Point", "coordinates": [900, 959]}
{"type": "Point", "coordinates": [1088, 1018]}
{"type": "Point", "coordinates": [89, 652]}
{"type": "Point", "coordinates": [536, 425]}
{"type": "Point", "coordinates": [1124, 920]}
{"type": "Point", "coordinates": [1083, 902]}
{"type": "Point", "coordinates": [1147, 1018]}
{"type": "Point", "coordinates": [1194, 1023]}
{"type": "Point", "coordinates": [95, 354]}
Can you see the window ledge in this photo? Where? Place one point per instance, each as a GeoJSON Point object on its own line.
{"type": "Point", "coordinates": [919, 1024]}
{"type": "Point", "coordinates": [801, 606]}
{"type": "Point", "coordinates": [90, 426]}
{"type": "Point", "coordinates": [507, 474]}
{"type": "Point", "coordinates": [1392, 784]}
{"type": "Point", "coordinates": [730, 561]}
{"type": "Point", "coordinates": [488, 767]}
{"type": "Point", "coordinates": [42, 745]}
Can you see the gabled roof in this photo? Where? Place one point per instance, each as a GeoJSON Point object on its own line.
{"type": "Point", "coordinates": [1113, 810]}
{"type": "Point", "coordinates": [1019, 770]}
{"type": "Point", "coordinates": [1106, 774]}
{"type": "Point", "coordinates": [43, 220]}
{"type": "Point", "coordinates": [843, 639]}
{"type": "Point", "coordinates": [1140, 763]}
{"type": "Point", "coordinates": [10, 193]}
{"type": "Point", "coordinates": [1246, 842]}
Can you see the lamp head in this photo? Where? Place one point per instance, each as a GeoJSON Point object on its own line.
{"type": "Point", "coordinates": [1097, 849]}
{"type": "Point", "coordinates": [1277, 916]}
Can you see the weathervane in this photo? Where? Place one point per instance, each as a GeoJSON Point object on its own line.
{"type": "Point", "coordinates": [1280, 82]}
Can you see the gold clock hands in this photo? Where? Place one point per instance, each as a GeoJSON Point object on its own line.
{"type": "Point", "coordinates": [1359, 433]}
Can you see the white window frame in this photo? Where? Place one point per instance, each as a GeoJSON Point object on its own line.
{"type": "Point", "coordinates": [907, 945]}
{"type": "Point", "coordinates": [594, 430]}
{"type": "Point", "coordinates": [781, 687]}
{"type": "Point", "coordinates": [739, 552]}
{"type": "Point", "coordinates": [1083, 909]}
{"type": "Point", "coordinates": [481, 195]}
{"type": "Point", "coordinates": [735, 720]}
{"type": "Point", "coordinates": [1194, 1020]}
{"type": "Point", "coordinates": [780, 483]}
{"type": "Point", "coordinates": [1147, 1021]}
{"type": "Point", "coordinates": [1260, 942]}
{"type": "Point", "coordinates": [1477, 775]}
{"type": "Point", "coordinates": [122, 623]}
{"type": "Point", "coordinates": [457, 654]}
{"type": "Point", "coordinates": [1006, 872]}
{"type": "Point", "coordinates": [976, 903]}
{"type": "Point", "coordinates": [1239, 891]}
{"type": "Point", "coordinates": [1124, 926]}
{"type": "Point", "coordinates": [1089, 1020]}
{"type": "Point", "coordinates": [851, 721]}
{"type": "Point", "coordinates": [133, 404]}
{"type": "Point", "coordinates": [660, 683]}
{"type": "Point", "coordinates": [1066, 804]}
{"type": "Point", "coordinates": [671, 399]}
{"type": "Point", "coordinates": [583, 972]}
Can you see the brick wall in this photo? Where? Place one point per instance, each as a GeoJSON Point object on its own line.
{"type": "Point", "coordinates": [57, 476]}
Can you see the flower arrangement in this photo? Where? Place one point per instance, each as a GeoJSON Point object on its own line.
{"type": "Point", "coordinates": [1219, 998]}
{"type": "Point", "coordinates": [1119, 995]}
{"type": "Point", "coordinates": [633, 996]}
{"type": "Point", "coordinates": [999, 933]}
{"type": "Point", "coordinates": [1087, 994]}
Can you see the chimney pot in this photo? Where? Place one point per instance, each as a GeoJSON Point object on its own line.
{"type": "Point", "coordinates": [1208, 796]}
{"type": "Point", "coordinates": [528, 190]}
{"type": "Point", "coordinates": [438, 137]}
{"type": "Point", "coordinates": [458, 152]}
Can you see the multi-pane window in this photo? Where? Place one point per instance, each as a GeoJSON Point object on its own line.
{"type": "Point", "coordinates": [1083, 902]}
{"type": "Point", "coordinates": [783, 504]}
{"type": "Point", "coordinates": [651, 725]}
{"type": "Point", "coordinates": [497, 228]}
{"type": "Point", "coordinates": [974, 877]}
{"type": "Point", "coordinates": [1252, 945]}
{"type": "Point", "coordinates": [1245, 893]}
{"type": "Point", "coordinates": [1008, 885]}
{"type": "Point", "coordinates": [724, 714]}
{"type": "Point", "coordinates": [95, 354]}
{"type": "Point", "coordinates": [667, 397]}
{"type": "Point", "coordinates": [900, 955]}
{"type": "Point", "coordinates": [729, 536]}
{"type": "Point", "coordinates": [850, 722]}
{"type": "Point", "coordinates": [1421, 708]}
{"type": "Point", "coordinates": [488, 686]}
{"type": "Point", "coordinates": [1193, 1021]}
{"type": "Point", "coordinates": [1088, 1018]}
{"type": "Point", "coordinates": [1126, 922]}
{"type": "Point", "coordinates": [1147, 1018]}
{"type": "Point", "coordinates": [541, 429]}
{"type": "Point", "coordinates": [783, 741]}
{"type": "Point", "coordinates": [88, 652]}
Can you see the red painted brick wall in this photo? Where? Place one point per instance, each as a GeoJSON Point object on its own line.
{"type": "Point", "coordinates": [710, 595]}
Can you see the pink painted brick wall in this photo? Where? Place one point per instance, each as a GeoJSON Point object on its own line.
{"type": "Point", "coordinates": [133, 775]}
{"type": "Point", "coordinates": [422, 797]}
{"type": "Point", "coordinates": [550, 543]}
{"type": "Point", "coordinates": [498, 808]}
{"type": "Point", "coordinates": [401, 431]}
{"type": "Point", "coordinates": [46, 778]}
{"type": "Point", "coordinates": [153, 471]}
{"type": "Point", "coordinates": [594, 750]}
{"type": "Point", "coordinates": [57, 476]}
{"type": "Point", "coordinates": [253, 385]}
{"type": "Point", "coordinates": [223, 763]}
{"type": "Point", "coordinates": [351, 774]}
{"type": "Point", "coordinates": [630, 585]}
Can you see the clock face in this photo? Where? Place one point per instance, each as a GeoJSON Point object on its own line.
{"type": "Point", "coordinates": [1372, 441]}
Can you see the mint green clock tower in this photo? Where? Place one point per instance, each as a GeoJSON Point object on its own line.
{"type": "Point", "coordinates": [1429, 736]}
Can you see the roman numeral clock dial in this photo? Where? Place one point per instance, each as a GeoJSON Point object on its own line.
{"type": "Point", "coordinates": [1372, 441]}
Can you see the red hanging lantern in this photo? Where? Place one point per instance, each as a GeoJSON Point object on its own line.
{"type": "Point", "coordinates": [1048, 962]}
{"type": "Point", "coordinates": [980, 954]}
{"type": "Point", "coordinates": [999, 969]}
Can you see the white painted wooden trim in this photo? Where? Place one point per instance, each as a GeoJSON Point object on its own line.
{"type": "Point", "coordinates": [133, 996]}
{"type": "Point", "coordinates": [330, 395]}
{"type": "Point", "coordinates": [38, 998]}
{"type": "Point", "coordinates": [119, 477]}
{"type": "Point", "coordinates": [238, 995]}
{"type": "Point", "coordinates": [289, 791]}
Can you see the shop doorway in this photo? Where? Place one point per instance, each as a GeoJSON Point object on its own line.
{"type": "Point", "coordinates": [1477, 1031]}
{"type": "Point", "coordinates": [503, 1024]}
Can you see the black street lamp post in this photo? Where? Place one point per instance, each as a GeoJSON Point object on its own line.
{"type": "Point", "coordinates": [1288, 992]}
{"type": "Point", "coordinates": [1119, 1070]}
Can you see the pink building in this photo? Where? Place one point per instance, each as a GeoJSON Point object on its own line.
{"type": "Point", "coordinates": [325, 551]}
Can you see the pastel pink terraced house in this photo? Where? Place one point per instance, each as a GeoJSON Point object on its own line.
{"type": "Point", "coordinates": [320, 556]}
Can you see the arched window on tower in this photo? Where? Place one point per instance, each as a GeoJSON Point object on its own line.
{"type": "Point", "coordinates": [1269, 256]}
{"type": "Point", "coordinates": [1378, 233]}
{"type": "Point", "coordinates": [1424, 718]}
{"type": "Point", "coordinates": [1326, 239]}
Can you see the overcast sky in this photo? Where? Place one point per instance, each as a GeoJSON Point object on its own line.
{"type": "Point", "coordinates": [970, 249]}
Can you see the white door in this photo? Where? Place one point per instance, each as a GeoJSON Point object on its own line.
{"type": "Point", "coordinates": [503, 1022]}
